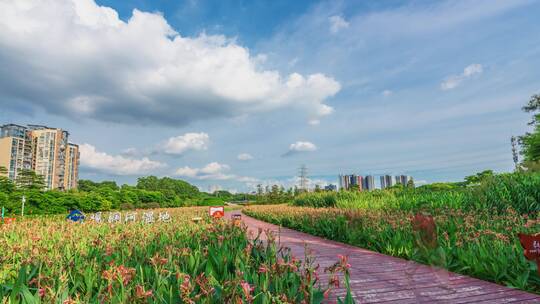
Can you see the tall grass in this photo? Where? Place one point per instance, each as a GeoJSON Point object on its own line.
{"type": "Point", "coordinates": [518, 191]}
{"type": "Point", "coordinates": [476, 243]}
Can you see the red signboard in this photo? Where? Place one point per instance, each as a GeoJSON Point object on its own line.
{"type": "Point", "coordinates": [216, 211]}
{"type": "Point", "coordinates": [531, 247]}
{"type": "Point", "coordinates": [9, 220]}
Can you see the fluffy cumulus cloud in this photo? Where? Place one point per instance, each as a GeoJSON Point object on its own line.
{"type": "Point", "coordinates": [189, 141]}
{"type": "Point", "coordinates": [300, 147]}
{"type": "Point", "coordinates": [212, 171]}
{"type": "Point", "coordinates": [116, 164]}
{"type": "Point", "coordinates": [454, 81]}
{"type": "Point", "coordinates": [337, 23]}
{"type": "Point", "coordinates": [78, 59]}
{"type": "Point", "coordinates": [244, 157]}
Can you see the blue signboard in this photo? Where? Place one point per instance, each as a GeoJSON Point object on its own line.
{"type": "Point", "coordinates": [75, 215]}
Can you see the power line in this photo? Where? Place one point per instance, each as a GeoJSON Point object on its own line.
{"type": "Point", "coordinates": [302, 174]}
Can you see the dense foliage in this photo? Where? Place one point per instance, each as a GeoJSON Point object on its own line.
{"type": "Point", "coordinates": [274, 195]}
{"type": "Point", "coordinates": [497, 193]}
{"type": "Point", "coordinates": [531, 141]}
{"type": "Point", "coordinates": [150, 192]}
{"type": "Point", "coordinates": [476, 243]}
{"type": "Point", "coordinates": [55, 261]}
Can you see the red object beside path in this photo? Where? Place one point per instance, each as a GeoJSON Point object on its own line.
{"type": "Point", "coordinates": [378, 278]}
{"type": "Point", "coordinates": [531, 247]}
{"type": "Point", "coordinates": [9, 220]}
{"type": "Point", "coordinates": [216, 211]}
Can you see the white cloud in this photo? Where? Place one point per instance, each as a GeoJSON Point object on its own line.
{"type": "Point", "coordinates": [187, 172]}
{"type": "Point", "coordinates": [130, 152]}
{"type": "Point", "coordinates": [214, 168]}
{"type": "Point", "coordinates": [78, 59]}
{"type": "Point", "coordinates": [116, 164]}
{"type": "Point", "coordinates": [454, 81]}
{"type": "Point", "coordinates": [387, 93]}
{"type": "Point", "coordinates": [244, 156]}
{"type": "Point", "coordinates": [212, 171]}
{"type": "Point", "coordinates": [337, 23]}
{"type": "Point", "coordinates": [189, 141]}
{"type": "Point", "coordinates": [302, 146]}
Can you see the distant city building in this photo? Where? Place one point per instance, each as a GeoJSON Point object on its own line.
{"type": "Point", "coordinates": [330, 187]}
{"type": "Point", "coordinates": [402, 179]}
{"type": "Point", "coordinates": [343, 182]}
{"type": "Point", "coordinates": [42, 149]}
{"type": "Point", "coordinates": [349, 182]}
{"type": "Point", "coordinates": [357, 182]}
{"type": "Point", "coordinates": [387, 181]}
{"type": "Point", "coordinates": [369, 183]}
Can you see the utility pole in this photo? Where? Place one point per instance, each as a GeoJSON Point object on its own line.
{"type": "Point", "coordinates": [22, 207]}
{"type": "Point", "coordinates": [302, 174]}
{"type": "Point", "coordinates": [513, 140]}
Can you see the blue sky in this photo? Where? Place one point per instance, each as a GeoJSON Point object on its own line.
{"type": "Point", "coordinates": [230, 94]}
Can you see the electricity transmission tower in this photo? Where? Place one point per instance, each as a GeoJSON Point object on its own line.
{"type": "Point", "coordinates": [302, 174]}
{"type": "Point", "coordinates": [513, 140]}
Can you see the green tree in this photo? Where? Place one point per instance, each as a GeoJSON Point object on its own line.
{"type": "Point", "coordinates": [410, 183]}
{"type": "Point", "coordinates": [4, 199]}
{"type": "Point", "coordinates": [29, 180]}
{"type": "Point", "coordinates": [88, 185]}
{"type": "Point", "coordinates": [478, 177]}
{"type": "Point", "coordinates": [180, 188]}
{"type": "Point", "coordinates": [6, 185]}
{"type": "Point", "coordinates": [530, 142]}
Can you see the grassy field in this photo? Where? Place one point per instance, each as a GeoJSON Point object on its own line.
{"type": "Point", "coordinates": [474, 233]}
{"type": "Point", "coordinates": [52, 260]}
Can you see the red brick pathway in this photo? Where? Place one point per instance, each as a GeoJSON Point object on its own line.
{"type": "Point", "coordinates": [378, 278]}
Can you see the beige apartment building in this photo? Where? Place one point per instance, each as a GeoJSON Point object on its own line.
{"type": "Point", "coordinates": [71, 175]}
{"type": "Point", "coordinates": [15, 150]}
{"type": "Point", "coordinates": [42, 149]}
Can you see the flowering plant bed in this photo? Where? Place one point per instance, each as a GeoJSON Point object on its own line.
{"type": "Point", "coordinates": [476, 243]}
{"type": "Point", "coordinates": [212, 261]}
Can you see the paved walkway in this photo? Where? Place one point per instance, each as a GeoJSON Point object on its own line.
{"type": "Point", "coordinates": [378, 278]}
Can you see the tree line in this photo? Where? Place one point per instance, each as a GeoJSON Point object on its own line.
{"type": "Point", "coordinates": [149, 192]}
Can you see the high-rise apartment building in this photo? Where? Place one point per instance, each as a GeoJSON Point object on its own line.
{"type": "Point", "coordinates": [351, 181]}
{"type": "Point", "coordinates": [71, 175]}
{"type": "Point", "coordinates": [343, 182]}
{"type": "Point", "coordinates": [42, 149]}
{"type": "Point", "coordinates": [357, 182]}
{"type": "Point", "coordinates": [402, 179]}
{"type": "Point", "coordinates": [369, 182]}
{"type": "Point", "coordinates": [387, 181]}
{"type": "Point", "coordinates": [15, 150]}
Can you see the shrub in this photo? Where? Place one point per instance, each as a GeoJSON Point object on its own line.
{"type": "Point", "coordinates": [127, 206]}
